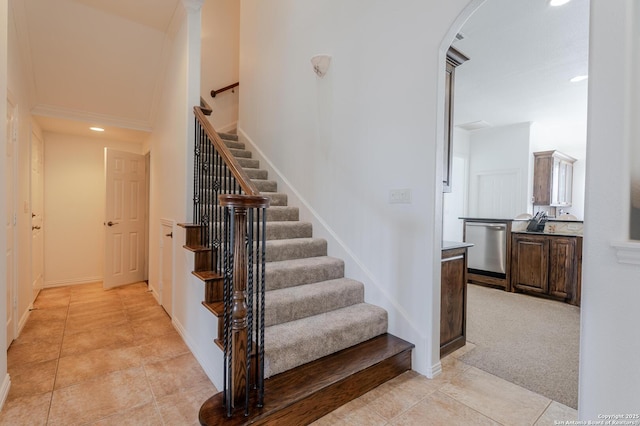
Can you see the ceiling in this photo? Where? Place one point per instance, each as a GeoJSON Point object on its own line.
{"type": "Point", "coordinates": [522, 55]}
{"type": "Point", "coordinates": [101, 62]}
{"type": "Point", "coordinates": [95, 62]}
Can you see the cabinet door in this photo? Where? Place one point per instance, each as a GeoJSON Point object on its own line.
{"type": "Point", "coordinates": [530, 263]}
{"type": "Point", "coordinates": [542, 174]}
{"type": "Point", "coordinates": [562, 270]}
{"type": "Point", "coordinates": [453, 301]}
{"type": "Point", "coordinates": [448, 128]}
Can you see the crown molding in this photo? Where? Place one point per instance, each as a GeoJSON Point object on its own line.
{"type": "Point", "coordinates": [89, 117]}
{"type": "Point", "coordinates": [192, 5]}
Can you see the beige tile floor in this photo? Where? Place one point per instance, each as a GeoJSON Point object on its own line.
{"type": "Point", "coordinates": [92, 357]}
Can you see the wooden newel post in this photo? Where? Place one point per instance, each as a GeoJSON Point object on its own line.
{"type": "Point", "coordinates": [239, 308]}
{"type": "Point", "coordinates": [240, 332]}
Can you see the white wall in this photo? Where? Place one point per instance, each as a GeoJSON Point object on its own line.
{"type": "Point", "coordinates": [74, 207]}
{"type": "Point", "coordinates": [500, 151]}
{"type": "Point", "coordinates": [220, 60]}
{"type": "Point", "coordinates": [5, 381]}
{"type": "Point", "coordinates": [568, 138]}
{"type": "Point", "coordinates": [610, 337]}
{"type": "Point", "coordinates": [171, 147]}
{"type": "Point", "coordinates": [372, 124]}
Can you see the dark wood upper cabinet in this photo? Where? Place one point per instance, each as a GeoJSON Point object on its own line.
{"type": "Point", "coordinates": [552, 179]}
{"type": "Point", "coordinates": [454, 59]}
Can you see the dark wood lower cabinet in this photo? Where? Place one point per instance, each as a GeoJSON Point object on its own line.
{"type": "Point", "coordinates": [547, 265]}
{"type": "Point", "coordinates": [530, 263]}
{"type": "Point", "coordinates": [453, 300]}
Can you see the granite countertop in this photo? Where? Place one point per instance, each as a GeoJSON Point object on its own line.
{"type": "Point", "coordinates": [481, 219]}
{"type": "Point", "coordinates": [450, 245]}
{"type": "Point", "coordinates": [551, 234]}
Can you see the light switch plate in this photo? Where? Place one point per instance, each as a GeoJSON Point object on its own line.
{"type": "Point", "coordinates": [400, 196]}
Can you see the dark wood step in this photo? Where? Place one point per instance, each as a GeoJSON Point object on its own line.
{"type": "Point", "coordinates": [306, 393]}
{"type": "Point", "coordinates": [217, 309]}
{"type": "Point", "coordinates": [213, 285]}
{"type": "Point", "coordinates": [193, 234]}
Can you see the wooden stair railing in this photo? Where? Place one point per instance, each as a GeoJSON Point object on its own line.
{"type": "Point", "coordinates": [227, 237]}
{"type": "Point", "coordinates": [224, 89]}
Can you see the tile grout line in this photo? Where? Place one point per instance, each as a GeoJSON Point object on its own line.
{"type": "Point", "coordinates": [55, 377]}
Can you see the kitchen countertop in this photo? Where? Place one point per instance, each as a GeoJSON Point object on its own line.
{"type": "Point", "coordinates": [559, 234]}
{"type": "Point", "coordinates": [550, 219]}
{"type": "Point", "coordinates": [480, 219]}
{"type": "Point", "coordinates": [450, 245]}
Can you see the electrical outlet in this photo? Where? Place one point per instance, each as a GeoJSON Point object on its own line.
{"type": "Point", "coordinates": [400, 196]}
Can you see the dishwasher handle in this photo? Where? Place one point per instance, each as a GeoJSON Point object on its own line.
{"type": "Point", "coordinates": [493, 226]}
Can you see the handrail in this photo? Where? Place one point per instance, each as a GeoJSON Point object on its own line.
{"type": "Point", "coordinates": [245, 182]}
{"type": "Point", "coordinates": [224, 89]}
{"type": "Point", "coordinates": [231, 215]}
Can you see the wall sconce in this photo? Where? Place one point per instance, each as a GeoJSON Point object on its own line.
{"type": "Point", "coordinates": [321, 64]}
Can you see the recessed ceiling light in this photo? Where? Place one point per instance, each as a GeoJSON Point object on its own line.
{"type": "Point", "coordinates": [97, 129]}
{"type": "Point", "coordinates": [558, 2]}
{"type": "Point", "coordinates": [578, 78]}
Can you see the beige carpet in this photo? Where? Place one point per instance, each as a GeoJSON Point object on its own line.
{"type": "Point", "coordinates": [526, 340]}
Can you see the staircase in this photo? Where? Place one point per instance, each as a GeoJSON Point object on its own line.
{"type": "Point", "coordinates": [323, 344]}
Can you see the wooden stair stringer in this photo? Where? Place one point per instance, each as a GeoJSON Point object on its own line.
{"type": "Point", "coordinates": [306, 393]}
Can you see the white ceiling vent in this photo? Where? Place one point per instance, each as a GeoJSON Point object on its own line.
{"type": "Point", "coordinates": [474, 125]}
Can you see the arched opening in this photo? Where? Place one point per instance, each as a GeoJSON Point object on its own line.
{"type": "Point", "coordinates": [513, 98]}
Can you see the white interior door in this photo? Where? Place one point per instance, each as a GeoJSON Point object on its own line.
{"type": "Point", "coordinates": [125, 220]}
{"type": "Point", "coordinates": [166, 271]}
{"type": "Point", "coordinates": [12, 137]}
{"type": "Point", "coordinates": [37, 208]}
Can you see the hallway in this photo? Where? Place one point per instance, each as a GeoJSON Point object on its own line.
{"type": "Point", "coordinates": [89, 356]}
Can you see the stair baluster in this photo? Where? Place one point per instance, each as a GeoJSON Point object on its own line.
{"type": "Point", "coordinates": [230, 214]}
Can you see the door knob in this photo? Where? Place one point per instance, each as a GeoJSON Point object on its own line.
{"type": "Point", "coordinates": [170, 235]}
{"type": "Point", "coordinates": [35, 227]}
{"type": "Point", "coordinates": [111, 223]}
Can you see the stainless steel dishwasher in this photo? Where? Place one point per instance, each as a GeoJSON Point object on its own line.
{"type": "Point", "coordinates": [488, 256]}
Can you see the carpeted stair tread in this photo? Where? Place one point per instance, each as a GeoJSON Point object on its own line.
{"type": "Point", "coordinates": [228, 136]}
{"type": "Point", "coordinates": [282, 213]}
{"type": "Point", "coordinates": [265, 185]}
{"type": "Point", "coordinates": [240, 153]}
{"type": "Point", "coordinates": [297, 342]}
{"type": "Point", "coordinates": [288, 229]}
{"type": "Point", "coordinates": [233, 144]}
{"type": "Point", "coordinates": [252, 173]}
{"type": "Point", "coordinates": [277, 198]}
{"type": "Point", "coordinates": [274, 213]}
{"type": "Point", "coordinates": [249, 163]}
{"type": "Point", "coordinates": [292, 272]}
{"type": "Point", "coordinates": [295, 248]}
{"type": "Point", "coordinates": [293, 303]}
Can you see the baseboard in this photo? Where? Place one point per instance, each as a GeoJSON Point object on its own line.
{"type": "Point", "coordinates": [4, 390]}
{"type": "Point", "coordinates": [205, 362]}
{"type": "Point", "coordinates": [77, 281]}
{"type": "Point", "coordinates": [434, 370]}
{"type": "Point", "coordinates": [23, 319]}
{"type": "Point", "coordinates": [155, 293]}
